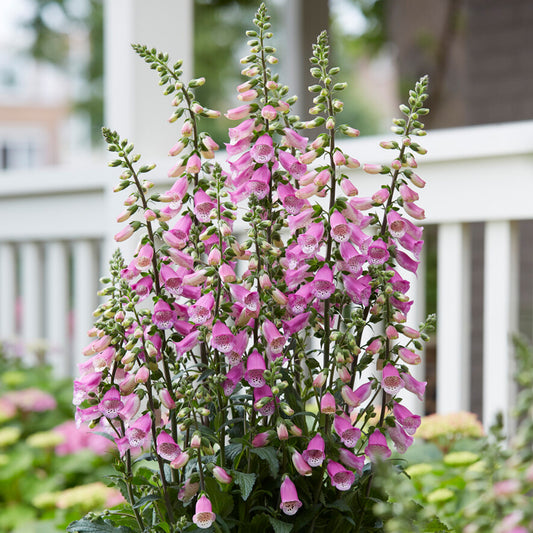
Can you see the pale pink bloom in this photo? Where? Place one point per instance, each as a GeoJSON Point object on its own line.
{"type": "Point", "coordinates": [268, 112]}
{"type": "Point", "coordinates": [166, 399]}
{"type": "Point", "coordinates": [227, 274]}
{"type": "Point", "coordinates": [322, 178]}
{"type": "Point", "coordinates": [413, 385]}
{"type": "Point", "coordinates": [391, 332]}
{"type": "Point", "coordinates": [177, 170]}
{"type": "Point", "coordinates": [327, 404]}
{"type": "Point", "coordinates": [200, 312]}
{"type": "Point", "coordinates": [308, 157]}
{"type": "Point", "coordinates": [111, 403]}
{"type": "Point", "coordinates": [307, 178]}
{"type": "Point", "coordinates": [291, 164]}
{"type": "Point", "coordinates": [194, 164]}
{"type": "Point", "coordinates": [238, 147]}
{"type": "Point", "coordinates": [125, 233]}
{"type": "Point", "coordinates": [24, 400]}
{"type": "Point", "coordinates": [357, 397]}
{"type": "Point", "coordinates": [243, 131]}
{"type": "Point", "coordinates": [261, 439]}
{"type": "Point", "coordinates": [238, 113]}
{"type": "Point", "coordinates": [414, 210]}
{"type": "Point", "coordinates": [167, 447]}
{"type": "Point", "coordinates": [407, 194]}
{"type": "Point", "coordinates": [143, 287]}
{"type": "Point", "coordinates": [262, 151]}
{"type": "Point", "coordinates": [352, 162]}
{"type": "Point", "coordinates": [203, 204]}
{"type": "Point", "coordinates": [361, 203]}
{"type": "Point", "coordinates": [344, 374]}
{"type": "Point", "coordinates": [282, 431]}
{"type": "Point", "coordinates": [180, 461]}
{"type": "Point", "coordinates": [138, 433]}
{"type": "Point", "coordinates": [373, 169]}
{"type": "Point", "coordinates": [163, 315]}
{"type": "Point", "coordinates": [307, 191]}
{"type": "Point", "coordinates": [300, 221]}
{"type": "Point", "coordinates": [417, 181]}
{"type": "Point", "coordinates": [143, 259]}
{"type": "Point", "coordinates": [310, 240]}
{"type": "Point", "coordinates": [295, 140]}
{"type": "Point", "coordinates": [319, 380]}
{"type": "Point", "coordinates": [351, 460]}
{"type": "Point", "coordinates": [341, 478]}
{"type": "Point", "coordinates": [348, 188]}
{"type": "Point", "coordinates": [377, 446]}
{"type": "Point", "coordinates": [142, 374]}
{"type": "Point", "coordinates": [247, 96]}
{"type": "Point", "coordinates": [400, 438]}
{"type": "Point", "coordinates": [290, 502]}
{"type": "Point", "coordinates": [204, 516]}
{"type": "Point", "coordinates": [338, 158]}
{"type": "Point", "coordinates": [380, 197]}
{"type": "Point", "coordinates": [314, 453]}
{"type": "Point", "coordinates": [397, 225]}
{"type": "Point", "coordinates": [378, 252]}
{"type": "Point", "coordinates": [177, 148]}
{"type": "Point", "coordinates": [391, 381]}
{"type": "Point", "coordinates": [408, 356]}
{"type": "Point", "coordinates": [221, 475]}
{"type": "Point", "coordinates": [406, 419]}
{"type": "Point", "coordinates": [222, 339]}
{"type": "Point", "coordinates": [275, 340]}
{"type": "Point", "coordinates": [348, 434]}
{"type": "Point", "coordinates": [255, 367]}
{"type": "Point", "coordinates": [301, 464]}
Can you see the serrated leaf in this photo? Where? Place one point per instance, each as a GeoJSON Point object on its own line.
{"type": "Point", "coordinates": [270, 455]}
{"type": "Point", "coordinates": [279, 526]}
{"type": "Point", "coordinates": [146, 499]}
{"type": "Point", "coordinates": [232, 450]}
{"type": "Point", "coordinates": [246, 483]}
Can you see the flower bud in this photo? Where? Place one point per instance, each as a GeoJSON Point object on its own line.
{"type": "Point", "coordinates": [196, 441]}
{"type": "Point", "coordinates": [142, 375]}
{"type": "Point", "coordinates": [221, 475]}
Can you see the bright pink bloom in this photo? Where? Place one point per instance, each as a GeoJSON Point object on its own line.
{"type": "Point", "coordinates": [178, 236]}
{"type": "Point", "coordinates": [322, 285]}
{"type": "Point", "coordinates": [341, 478]}
{"type": "Point", "coordinates": [414, 211]}
{"type": "Point", "coordinates": [340, 230]}
{"type": "Point", "coordinates": [204, 515]}
{"type": "Point", "coordinates": [351, 460]}
{"type": "Point", "coordinates": [344, 374]}
{"type": "Point", "coordinates": [111, 403]}
{"type": "Point", "coordinates": [234, 357]}
{"type": "Point", "coordinates": [275, 340]}
{"type": "Point", "coordinates": [264, 401]}
{"type": "Point", "coordinates": [348, 434]}
{"type": "Point", "coordinates": [258, 185]}
{"type": "Point", "coordinates": [286, 194]}
{"type": "Point", "coordinates": [353, 261]}
{"type": "Point", "coordinates": [237, 147]}
{"type": "Point", "coordinates": [296, 324]}
{"type": "Point", "coordinates": [268, 112]}
{"type": "Point", "coordinates": [233, 377]}
{"type": "Point", "coordinates": [167, 447]}
{"type": "Point", "coordinates": [400, 438]}
{"type": "Point", "coordinates": [391, 381]}
{"type": "Point", "coordinates": [291, 164]}
{"type": "Point", "coordinates": [377, 252]}
{"type": "Point", "coordinates": [295, 140]}
{"type": "Point", "coordinates": [397, 225]}
{"type": "Point", "coordinates": [406, 262]}
{"type": "Point", "coordinates": [255, 367]}
{"type": "Point", "coordinates": [301, 464]}
{"type": "Point", "coordinates": [411, 244]}
{"type": "Point", "coordinates": [143, 287]}
{"type": "Point", "coordinates": [187, 343]}
{"type": "Point", "coordinates": [163, 315]}
{"type": "Point", "coordinates": [374, 347]}
{"type": "Point", "coordinates": [227, 274]}
{"type": "Point", "coordinates": [237, 113]}
{"type": "Point", "coordinates": [408, 420]}
{"type": "Point", "coordinates": [221, 475]}
{"type": "Point", "coordinates": [194, 164]}
{"type": "Point", "coordinates": [413, 385]}
{"type": "Point", "coordinates": [377, 446]}
{"type": "Point", "coordinates": [262, 151]}
{"type": "Point", "coordinates": [327, 404]}
{"type": "Point", "coordinates": [314, 453]}
{"type": "Point", "coordinates": [289, 497]}
{"type": "Point", "coordinates": [138, 433]}
{"type": "Point", "coordinates": [408, 356]}
{"type": "Point", "coordinates": [300, 221]}
{"type": "Point", "coordinates": [348, 188]}
{"type": "Point", "coordinates": [143, 260]}
{"type": "Point", "coordinates": [242, 131]}
{"type": "Point", "coordinates": [357, 397]}
{"type": "Point", "coordinates": [310, 240]}
{"type": "Point", "coordinates": [222, 339]}
{"type": "Point", "coordinates": [380, 197]}
{"type": "Point", "coordinates": [261, 439]}
{"type": "Point", "coordinates": [200, 312]}
{"type": "Point", "coordinates": [358, 289]}
{"type": "Point", "coordinates": [203, 204]}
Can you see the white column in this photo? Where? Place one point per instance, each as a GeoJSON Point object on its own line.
{"type": "Point", "coordinates": [134, 102]}
{"type": "Point", "coordinates": [417, 315]}
{"type": "Point", "coordinates": [85, 298]}
{"type": "Point", "coordinates": [32, 296]}
{"type": "Point", "coordinates": [499, 317]}
{"type": "Point", "coordinates": [8, 291]}
{"type": "Point", "coordinates": [56, 307]}
{"type": "Point", "coordinates": [453, 316]}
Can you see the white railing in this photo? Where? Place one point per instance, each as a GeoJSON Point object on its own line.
{"type": "Point", "coordinates": [57, 228]}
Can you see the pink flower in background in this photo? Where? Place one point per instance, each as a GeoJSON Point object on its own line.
{"type": "Point", "coordinates": [82, 438]}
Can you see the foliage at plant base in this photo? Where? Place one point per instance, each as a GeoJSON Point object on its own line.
{"type": "Point", "coordinates": [251, 359]}
{"type": "Point", "coordinates": [50, 471]}
{"type": "Point", "coordinates": [473, 485]}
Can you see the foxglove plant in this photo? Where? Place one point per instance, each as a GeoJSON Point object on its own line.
{"type": "Point", "coordinates": [262, 292]}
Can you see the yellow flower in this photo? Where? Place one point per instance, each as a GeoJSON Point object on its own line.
{"type": "Point", "coordinates": [9, 435]}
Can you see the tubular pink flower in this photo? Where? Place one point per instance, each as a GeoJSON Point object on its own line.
{"type": "Point", "coordinates": [268, 112]}
{"type": "Point", "coordinates": [178, 236]}
{"type": "Point", "coordinates": [338, 158]}
{"type": "Point", "coordinates": [375, 346]}
{"type": "Point", "coordinates": [222, 339]}
{"type": "Point", "coordinates": [310, 241]}
{"type": "Point", "coordinates": [344, 374]}
{"type": "Point", "coordinates": [327, 404]}
{"type": "Point", "coordinates": [348, 434]}
{"type": "Point", "coordinates": [413, 385]}
{"type": "Point", "coordinates": [314, 453]}
{"type": "Point", "coordinates": [291, 164]}
{"type": "Point", "coordinates": [351, 162]}
{"type": "Point", "coordinates": [353, 260]}
{"type": "Point", "coordinates": [163, 315]}
{"type": "Point", "coordinates": [295, 140]}
{"type": "Point", "coordinates": [261, 439]}
{"type": "Point", "coordinates": [411, 244]}
{"type": "Point", "coordinates": [111, 403]}
{"type": "Point", "coordinates": [234, 357]}
{"type": "Point", "coordinates": [357, 397]}
{"type": "Point", "coordinates": [417, 181]}
{"type": "Point", "coordinates": [392, 333]}
{"type": "Point", "coordinates": [238, 113]}
{"type": "Point", "coordinates": [414, 211]}
{"type": "Point", "coordinates": [406, 262]}
{"type": "Point", "coordinates": [243, 131]}
{"type": "Point", "coordinates": [378, 252]}
{"type": "Point", "coordinates": [351, 460]}
{"type": "Point", "coordinates": [377, 446]}
{"type": "Point", "coordinates": [177, 148]}
{"type": "Point", "coordinates": [258, 185]}
{"type": "Point", "coordinates": [380, 197]}
{"type": "Point", "coordinates": [286, 194]}
{"type": "Point", "coordinates": [282, 431]}
{"type": "Point", "coordinates": [400, 438]}
{"type": "Point", "coordinates": [408, 356]}
{"type": "Point", "coordinates": [358, 289]}
{"type": "Point", "coordinates": [405, 418]}
{"type": "Point", "coordinates": [262, 151]}
{"type": "Point", "coordinates": [255, 367]}
{"type": "Point", "coordinates": [322, 178]}
{"type": "Point", "coordinates": [341, 478]}
{"type": "Point", "coordinates": [340, 230]}
{"type": "Point", "coordinates": [143, 287]}
{"type": "Point", "coordinates": [200, 312]}
{"type": "Point", "coordinates": [320, 380]}
{"type": "Point", "coordinates": [373, 169]}
{"type": "Point", "coordinates": [300, 220]}
{"type": "Point", "coordinates": [238, 147]}
{"type": "Point", "coordinates": [221, 475]}
{"type": "Point", "coordinates": [142, 375]}
{"type": "Point", "coordinates": [194, 164]}
{"type": "Point", "coordinates": [289, 497]}
{"type": "Point", "coordinates": [233, 377]}
{"type": "Point", "coordinates": [275, 340]}
{"type": "Point", "coordinates": [187, 343]}
{"type": "Point", "coordinates": [308, 157]}
{"type": "Point", "coordinates": [167, 447]}
{"type": "Point", "coordinates": [247, 96]}
{"type": "Point", "coordinates": [139, 431]}
{"type": "Point", "coordinates": [264, 401]}
{"type": "Point", "coordinates": [391, 381]}
{"type": "Point", "coordinates": [203, 204]}
{"type": "Point", "coordinates": [348, 188]}
{"type": "Point", "coordinates": [143, 260]}
{"type": "Point", "coordinates": [166, 399]}
{"type": "Point", "coordinates": [204, 515]}
{"type": "Point", "coordinates": [407, 194]}
{"type": "Point", "coordinates": [296, 324]}
{"type": "Point", "coordinates": [125, 233]}
{"type": "Point", "coordinates": [301, 464]}
{"type": "Point", "coordinates": [361, 203]}
{"type": "Point", "coordinates": [323, 286]}
{"type": "Point", "coordinates": [180, 461]}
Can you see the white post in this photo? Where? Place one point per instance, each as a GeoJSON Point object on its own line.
{"type": "Point", "coordinates": [85, 298]}
{"type": "Point", "coordinates": [453, 305]}
{"type": "Point", "coordinates": [56, 307]}
{"type": "Point", "coordinates": [499, 318]}
{"type": "Point", "coordinates": [32, 297]}
{"type": "Point", "coordinates": [134, 102]}
{"type": "Point", "coordinates": [8, 291]}
{"type": "Point", "coordinates": [417, 315]}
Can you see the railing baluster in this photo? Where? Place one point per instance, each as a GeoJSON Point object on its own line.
{"type": "Point", "coordinates": [453, 297]}
{"type": "Point", "coordinates": [8, 291]}
{"type": "Point", "coordinates": [499, 317]}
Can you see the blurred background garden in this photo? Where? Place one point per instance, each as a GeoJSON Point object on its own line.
{"type": "Point", "coordinates": [66, 70]}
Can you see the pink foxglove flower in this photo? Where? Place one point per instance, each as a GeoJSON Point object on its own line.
{"type": "Point", "coordinates": [357, 397]}
{"type": "Point", "coordinates": [187, 343]}
{"type": "Point", "coordinates": [221, 475]}
{"type": "Point", "coordinates": [341, 478]}
{"type": "Point", "coordinates": [243, 131]}
{"type": "Point", "coordinates": [340, 230]}
{"type": "Point", "coordinates": [377, 446]}
{"type": "Point", "coordinates": [377, 252]}
{"type": "Point", "coordinates": [400, 438]}
{"type": "Point", "coordinates": [163, 315]}
{"type": "Point", "coordinates": [222, 339]}
{"type": "Point", "coordinates": [351, 460]}
{"type": "Point", "coordinates": [261, 439]}
{"type": "Point", "coordinates": [323, 286]}
{"type": "Point", "coordinates": [310, 240]}
{"type": "Point", "coordinates": [264, 400]}
{"type": "Point", "coordinates": [287, 195]}
{"type": "Point", "coordinates": [204, 516]}
{"type": "Point", "coordinates": [327, 404]}
{"type": "Point", "coordinates": [255, 367]}
{"type": "Point", "coordinates": [178, 236]}
{"type": "Point", "coordinates": [200, 312]}
{"type": "Point", "coordinates": [262, 151]}
{"type": "Point", "coordinates": [233, 377]}
{"type": "Point", "coordinates": [111, 403]}
{"type": "Point", "coordinates": [138, 433]}
{"type": "Point", "coordinates": [143, 260]}
{"type": "Point", "coordinates": [348, 434]}
{"type": "Point", "coordinates": [275, 340]}
{"type": "Point", "coordinates": [391, 381]}
{"type": "Point", "coordinates": [413, 385]}
{"type": "Point", "coordinates": [295, 140]}
{"type": "Point", "coordinates": [238, 113]}
{"type": "Point", "coordinates": [203, 204]}
{"type": "Point", "coordinates": [290, 502]}
{"type": "Point", "coordinates": [291, 164]}
{"type": "Point", "coordinates": [314, 453]}
{"type": "Point", "coordinates": [409, 357]}
{"type": "Point", "coordinates": [405, 418]}
{"type": "Point", "coordinates": [301, 464]}
{"type": "Point", "coordinates": [167, 447]}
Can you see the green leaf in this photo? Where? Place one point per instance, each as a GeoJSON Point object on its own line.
{"type": "Point", "coordinates": [146, 499]}
{"type": "Point", "coordinates": [222, 501]}
{"type": "Point", "coordinates": [246, 482]}
{"type": "Point", "coordinates": [232, 450]}
{"type": "Point", "coordinates": [270, 455]}
{"type": "Point", "coordinates": [279, 526]}
{"type": "Point", "coordinates": [98, 526]}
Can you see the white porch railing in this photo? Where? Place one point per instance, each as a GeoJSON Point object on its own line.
{"type": "Point", "coordinates": [57, 228]}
